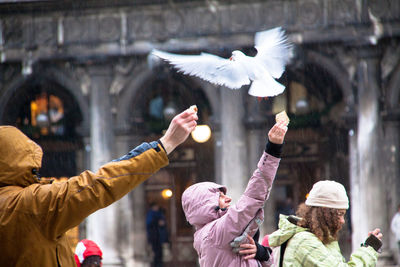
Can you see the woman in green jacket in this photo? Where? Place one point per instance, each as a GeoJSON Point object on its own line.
{"type": "Point", "coordinates": [310, 238]}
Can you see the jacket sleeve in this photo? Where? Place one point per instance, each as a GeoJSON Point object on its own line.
{"type": "Point", "coordinates": [312, 252]}
{"type": "Point", "coordinates": [61, 206]}
{"type": "Point", "coordinates": [362, 257]}
{"type": "Point", "coordinates": [233, 223]}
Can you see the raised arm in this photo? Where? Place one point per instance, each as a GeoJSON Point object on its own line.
{"type": "Point", "coordinates": [62, 206]}
{"type": "Point", "coordinates": [239, 216]}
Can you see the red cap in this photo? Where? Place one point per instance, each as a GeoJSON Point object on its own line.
{"type": "Point", "coordinates": [86, 248]}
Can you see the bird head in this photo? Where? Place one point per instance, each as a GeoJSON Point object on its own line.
{"type": "Point", "coordinates": [236, 55]}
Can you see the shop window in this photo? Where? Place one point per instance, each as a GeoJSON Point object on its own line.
{"type": "Point", "coordinates": [43, 117]}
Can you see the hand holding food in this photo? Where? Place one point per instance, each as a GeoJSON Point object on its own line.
{"type": "Point", "coordinates": [179, 129]}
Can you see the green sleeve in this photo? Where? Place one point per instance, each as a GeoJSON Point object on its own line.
{"type": "Point", "coordinates": [305, 249]}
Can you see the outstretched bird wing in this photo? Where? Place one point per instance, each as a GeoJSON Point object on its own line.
{"type": "Point", "coordinates": [274, 50]}
{"type": "Point", "coordinates": [214, 69]}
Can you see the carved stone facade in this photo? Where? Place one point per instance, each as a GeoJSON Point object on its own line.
{"type": "Point", "coordinates": [347, 54]}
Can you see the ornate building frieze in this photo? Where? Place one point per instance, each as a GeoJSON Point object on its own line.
{"type": "Point", "coordinates": [193, 25]}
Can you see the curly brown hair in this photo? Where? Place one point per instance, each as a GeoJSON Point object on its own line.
{"type": "Point", "coordinates": [322, 222]}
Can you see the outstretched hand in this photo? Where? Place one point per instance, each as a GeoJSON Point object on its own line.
{"type": "Point", "coordinates": [248, 250]}
{"type": "Point", "coordinates": [179, 129]}
{"type": "Point", "coordinates": [277, 133]}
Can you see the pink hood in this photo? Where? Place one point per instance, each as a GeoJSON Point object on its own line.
{"type": "Point", "coordinates": [216, 229]}
{"type": "Point", "coordinates": [200, 203]}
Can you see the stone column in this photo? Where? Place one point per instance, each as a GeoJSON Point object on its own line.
{"type": "Point", "coordinates": [138, 213]}
{"type": "Point", "coordinates": [234, 151]}
{"type": "Point", "coordinates": [391, 174]}
{"type": "Point", "coordinates": [368, 189]}
{"type": "Point", "coordinates": [355, 206]}
{"type": "Point", "coordinates": [101, 225]}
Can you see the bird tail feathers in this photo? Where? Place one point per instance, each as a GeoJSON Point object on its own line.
{"type": "Point", "coordinates": [266, 87]}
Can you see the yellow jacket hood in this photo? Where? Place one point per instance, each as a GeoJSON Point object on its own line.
{"type": "Point", "coordinates": [18, 156]}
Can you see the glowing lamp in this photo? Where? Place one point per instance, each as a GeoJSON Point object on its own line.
{"type": "Point", "coordinates": [201, 133]}
{"type": "Point", "coordinates": [166, 193]}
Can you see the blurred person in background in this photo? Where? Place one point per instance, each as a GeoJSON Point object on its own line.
{"type": "Point", "coordinates": [156, 233]}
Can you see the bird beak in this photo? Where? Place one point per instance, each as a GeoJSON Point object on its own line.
{"type": "Point", "coordinates": [231, 58]}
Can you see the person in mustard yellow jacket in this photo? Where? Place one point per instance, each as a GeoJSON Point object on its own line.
{"type": "Point", "coordinates": [34, 216]}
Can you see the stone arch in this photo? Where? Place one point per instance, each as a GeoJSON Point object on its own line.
{"type": "Point", "coordinates": [320, 128]}
{"type": "Point", "coordinates": [47, 74]}
{"type": "Point", "coordinates": [60, 141]}
{"type": "Point", "coordinates": [130, 104]}
{"type": "Point", "coordinates": [337, 72]}
{"type": "Point", "coordinates": [8, 91]}
{"type": "Point", "coordinates": [142, 77]}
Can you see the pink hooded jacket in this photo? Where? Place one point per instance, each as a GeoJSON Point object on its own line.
{"type": "Point", "coordinates": [216, 229]}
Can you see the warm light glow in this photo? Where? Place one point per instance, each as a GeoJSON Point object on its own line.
{"type": "Point", "coordinates": [201, 133]}
{"type": "Point", "coordinates": [166, 193]}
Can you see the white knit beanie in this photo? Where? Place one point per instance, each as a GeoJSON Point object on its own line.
{"type": "Point", "coordinates": [329, 194]}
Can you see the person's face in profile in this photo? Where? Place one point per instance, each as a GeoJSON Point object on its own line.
{"type": "Point", "coordinates": [224, 200]}
{"type": "Point", "coordinates": [341, 215]}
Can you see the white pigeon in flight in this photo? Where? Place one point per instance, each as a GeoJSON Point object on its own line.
{"type": "Point", "coordinates": [273, 53]}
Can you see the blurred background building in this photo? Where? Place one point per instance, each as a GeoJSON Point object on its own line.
{"type": "Point", "coordinates": [76, 77]}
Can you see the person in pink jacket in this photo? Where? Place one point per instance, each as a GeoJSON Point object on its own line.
{"type": "Point", "coordinates": [217, 225]}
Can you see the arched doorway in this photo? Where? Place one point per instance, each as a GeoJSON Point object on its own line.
{"type": "Point", "coordinates": [49, 114]}
{"type": "Point", "coordinates": [163, 97]}
{"type": "Point", "coordinates": [316, 146]}
{"type": "Point", "coordinates": [314, 103]}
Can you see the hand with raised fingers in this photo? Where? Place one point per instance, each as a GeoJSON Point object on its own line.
{"type": "Point", "coordinates": [179, 129]}
{"type": "Point", "coordinates": [277, 133]}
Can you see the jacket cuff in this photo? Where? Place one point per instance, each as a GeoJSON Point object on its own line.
{"type": "Point", "coordinates": [161, 144]}
{"type": "Point", "coordinates": [274, 149]}
{"type": "Point", "coordinates": [263, 253]}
